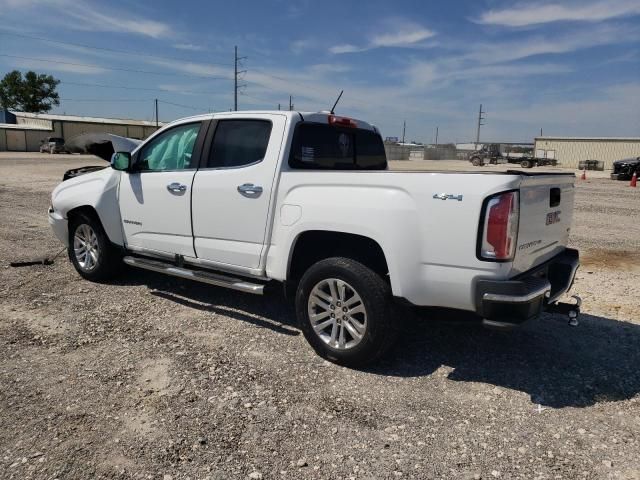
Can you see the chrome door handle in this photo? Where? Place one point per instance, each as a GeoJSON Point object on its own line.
{"type": "Point", "coordinates": [250, 190]}
{"type": "Point", "coordinates": [176, 187]}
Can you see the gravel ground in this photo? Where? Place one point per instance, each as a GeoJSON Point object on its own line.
{"type": "Point", "coordinates": [153, 377]}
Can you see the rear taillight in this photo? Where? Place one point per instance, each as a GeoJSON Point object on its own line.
{"type": "Point", "coordinates": [500, 229]}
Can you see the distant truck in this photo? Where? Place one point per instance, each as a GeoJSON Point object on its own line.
{"type": "Point", "coordinates": [494, 153]}
{"type": "Point", "coordinates": [624, 169]}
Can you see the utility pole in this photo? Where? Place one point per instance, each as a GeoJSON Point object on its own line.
{"type": "Point", "coordinates": [236, 72]}
{"type": "Point", "coordinates": [480, 119]}
{"type": "Point", "coordinates": [235, 79]}
{"type": "Point", "coordinates": [278, 106]}
{"type": "Point", "coordinates": [404, 129]}
{"type": "Point", "coordinates": [437, 136]}
{"type": "Point", "coordinates": [156, 113]}
{"type": "Point", "coordinates": [290, 103]}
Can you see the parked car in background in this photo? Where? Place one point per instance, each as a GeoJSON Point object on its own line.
{"type": "Point", "coordinates": [53, 145]}
{"type": "Point", "coordinates": [624, 169]}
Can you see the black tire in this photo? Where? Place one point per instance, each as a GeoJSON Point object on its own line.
{"type": "Point", "coordinates": [526, 164]}
{"type": "Point", "coordinates": [107, 259]}
{"type": "Point", "coordinates": [375, 294]}
{"type": "Point", "coordinates": [476, 162]}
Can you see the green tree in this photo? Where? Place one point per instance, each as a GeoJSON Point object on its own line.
{"type": "Point", "coordinates": [34, 93]}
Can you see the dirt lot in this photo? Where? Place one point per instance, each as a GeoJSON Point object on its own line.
{"type": "Point", "coordinates": [153, 377]}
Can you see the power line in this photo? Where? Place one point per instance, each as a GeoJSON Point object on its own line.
{"type": "Point", "coordinates": [92, 47]}
{"type": "Point", "coordinates": [262, 100]}
{"type": "Point", "coordinates": [102, 100]}
{"type": "Point", "coordinates": [191, 107]}
{"type": "Point", "coordinates": [123, 87]}
{"type": "Point", "coordinates": [113, 68]}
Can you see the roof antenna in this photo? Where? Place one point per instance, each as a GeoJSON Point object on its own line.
{"type": "Point", "coordinates": [334, 105]}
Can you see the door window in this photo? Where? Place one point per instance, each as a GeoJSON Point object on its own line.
{"type": "Point", "coordinates": [171, 150]}
{"type": "Point", "coordinates": [239, 142]}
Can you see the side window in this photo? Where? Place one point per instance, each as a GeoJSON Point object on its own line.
{"type": "Point", "coordinates": [239, 142]}
{"type": "Point", "coordinates": [171, 150]}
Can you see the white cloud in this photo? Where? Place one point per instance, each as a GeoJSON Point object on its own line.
{"type": "Point", "coordinates": [188, 46]}
{"type": "Point", "coordinates": [83, 15]}
{"type": "Point", "coordinates": [400, 34]}
{"type": "Point", "coordinates": [535, 14]}
{"type": "Point", "coordinates": [192, 68]}
{"type": "Point", "coordinates": [299, 46]}
{"type": "Point", "coordinates": [404, 38]}
{"type": "Point", "coordinates": [614, 112]}
{"type": "Point", "coordinates": [346, 48]}
{"type": "Point", "coordinates": [60, 64]}
{"type": "Point", "coordinates": [551, 44]}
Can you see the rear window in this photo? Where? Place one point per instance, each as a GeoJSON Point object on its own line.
{"type": "Point", "coordinates": [326, 147]}
{"type": "Point", "coordinates": [56, 140]}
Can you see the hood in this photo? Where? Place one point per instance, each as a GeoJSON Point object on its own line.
{"type": "Point", "coordinates": [627, 161]}
{"type": "Point", "coordinates": [102, 145]}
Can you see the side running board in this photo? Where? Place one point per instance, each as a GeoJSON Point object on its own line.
{"type": "Point", "coordinates": [196, 275]}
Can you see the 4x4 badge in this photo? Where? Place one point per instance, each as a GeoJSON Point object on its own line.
{"type": "Point", "coordinates": [447, 196]}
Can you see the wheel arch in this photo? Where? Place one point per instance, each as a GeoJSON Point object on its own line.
{"type": "Point", "coordinates": [311, 246]}
{"type": "Point", "coordinates": [91, 212]}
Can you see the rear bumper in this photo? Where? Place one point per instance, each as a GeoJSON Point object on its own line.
{"type": "Point", "coordinates": [514, 301]}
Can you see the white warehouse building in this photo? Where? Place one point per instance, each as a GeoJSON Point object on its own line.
{"type": "Point", "coordinates": [24, 132]}
{"type": "Point", "coordinates": [569, 151]}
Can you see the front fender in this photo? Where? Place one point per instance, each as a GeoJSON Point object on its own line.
{"type": "Point", "coordinates": [98, 190]}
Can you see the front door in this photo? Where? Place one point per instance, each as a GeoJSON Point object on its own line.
{"type": "Point", "coordinates": [155, 197]}
{"type": "Point", "coordinates": [232, 192]}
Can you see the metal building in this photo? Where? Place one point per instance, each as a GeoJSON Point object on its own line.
{"type": "Point", "coordinates": [23, 132]}
{"type": "Point", "coordinates": [569, 151]}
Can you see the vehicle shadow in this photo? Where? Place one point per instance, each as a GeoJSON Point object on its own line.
{"type": "Point", "coordinates": [266, 311]}
{"type": "Point", "coordinates": [555, 364]}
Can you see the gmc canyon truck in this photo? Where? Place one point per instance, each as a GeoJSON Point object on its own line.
{"type": "Point", "coordinates": [243, 199]}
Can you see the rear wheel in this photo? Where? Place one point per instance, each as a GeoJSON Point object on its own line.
{"type": "Point", "coordinates": [90, 251]}
{"type": "Point", "coordinates": [344, 311]}
{"type": "Point", "coordinates": [476, 162]}
{"type": "Point", "coordinates": [526, 164]}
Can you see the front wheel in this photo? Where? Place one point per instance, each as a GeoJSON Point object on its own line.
{"type": "Point", "coordinates": [476, 162]}
{"type": "Point", "coordinates": [90, 251]}
{"type": "Point", "coordinates": [344, 311]}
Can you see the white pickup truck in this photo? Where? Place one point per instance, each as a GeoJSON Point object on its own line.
{"type": "Point", "coordinates": [241, 199]}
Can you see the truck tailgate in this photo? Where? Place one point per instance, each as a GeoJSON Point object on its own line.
{"type": "Point", "coordinates": [546, 210]}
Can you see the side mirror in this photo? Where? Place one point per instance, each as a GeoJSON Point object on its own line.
{"type": "Point", "coordinates": [121, 161]}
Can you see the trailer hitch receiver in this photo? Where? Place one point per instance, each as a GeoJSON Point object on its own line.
{"type": "Point", "coordinates": [572, 310]}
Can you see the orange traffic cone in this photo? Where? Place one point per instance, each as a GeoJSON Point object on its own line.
{"type": "Point", "coordinates": [634, 179]}
{"type": "Point", "coordinates": [584, 175]}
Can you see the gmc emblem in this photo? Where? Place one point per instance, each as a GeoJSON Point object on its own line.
{"type": "Point", "coordinates": [553, 217]}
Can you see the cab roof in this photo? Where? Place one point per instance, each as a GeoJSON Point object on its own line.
{"type": "Point", "coordinates": [316, 117]}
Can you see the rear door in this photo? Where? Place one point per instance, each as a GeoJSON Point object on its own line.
{"type": "Point", "coordinates": [232, 191]}
{"type": "Point", "coordinates": [546, 213]}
